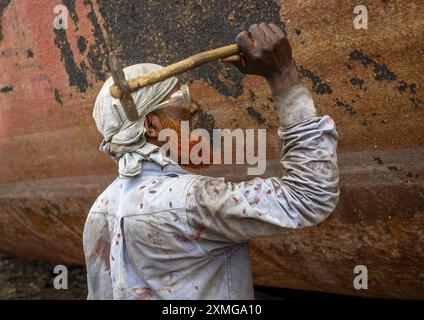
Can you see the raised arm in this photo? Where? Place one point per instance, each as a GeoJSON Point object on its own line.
{"type": "Point", "coordinates": [307, 190]}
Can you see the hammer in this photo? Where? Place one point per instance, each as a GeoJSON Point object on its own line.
{"type": "Point", "coordinates": [122, 88]}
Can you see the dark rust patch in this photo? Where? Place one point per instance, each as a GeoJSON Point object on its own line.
{"type": "Point", "coordinates": [82, 44]}
{"type": "Point", "coordinates": [318, 85]}
{"type": "Point", "coordinates": [403, 86]}
{"type": "Point", "coordinates": [6, 89]}
{"type": "Point", "coordinates": [28, 210]}
{"type": "Point", "coordinates": [253, 96]}
{"type": "Point", "coordinates": [345, 105]}
{"type": "Point", "coordinates": [3, 6]}
{"type": "Point", "coordinates": [70, 5]}
{"type": "Point", "coordinates": [204, 120]}
{"type": "Point", "coordinates": [381, 71]}
{"type": "Point", "coordinates": [57, 97]}
{"type": "Point", "coordinates": [76, 74]}
{"type": "Point", "coordinates": [256, 115]}
{"type": "Point", "coordinates": [377, 159]}
{"type": "Point", "coordinates": [417, 103]}
{"type": "Point", "coordinates": [98, 52]}
{"type": "Point", "coordinates": [163, 34]}
{"type": "Point", "coordinates": [30, 54]}
{"type": "Point", "coordinates": [357, 82]}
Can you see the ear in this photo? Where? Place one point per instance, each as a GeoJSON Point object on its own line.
{"type": "Point", "coordinates": [153, 125]}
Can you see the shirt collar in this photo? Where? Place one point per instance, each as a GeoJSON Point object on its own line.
{"type": "Point", "coordinates": [153, 169]}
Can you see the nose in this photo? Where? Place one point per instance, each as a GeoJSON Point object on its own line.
{"type": "Point", "coordinates": [194, 107]}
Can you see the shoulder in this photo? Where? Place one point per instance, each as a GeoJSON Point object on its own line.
{"type": "Point", "coordinates": [106, 198]}
{"type": "Point", "coordinates": [157, 193]}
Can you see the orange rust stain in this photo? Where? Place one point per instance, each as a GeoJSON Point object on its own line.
{"type": "Point", "coordinates": [102, 249]}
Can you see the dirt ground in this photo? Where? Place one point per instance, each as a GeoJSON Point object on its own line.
{"type": "Point", "coordinates": [33, 279]}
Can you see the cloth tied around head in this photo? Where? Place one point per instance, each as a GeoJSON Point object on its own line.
{"type": "Point", "coordinates": [123, 140]}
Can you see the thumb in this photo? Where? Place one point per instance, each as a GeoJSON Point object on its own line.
{"type": "Point", "coordinates": [236, 60]}
{"type": "Point", "coordinates": [231, 59]}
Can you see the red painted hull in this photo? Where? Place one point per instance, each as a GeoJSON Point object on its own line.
{"type": "Point", "coordinates": [369, 81]}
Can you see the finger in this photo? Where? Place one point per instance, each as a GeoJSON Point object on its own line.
{"type": "Point", "coordinates": [277, 30]}
{"type": "Point", "coordinates": [258, 36]}
{"type": "Point", "coordinates": [244, 41]}
{"type": "Point", "coordinates": [231, 59]}
{"type": "Point", "coordinates": [267, 31]}
{"type": "Point", "coordinates": [236, 60]}
{"type": "Point", "coordinates": [270, 38]}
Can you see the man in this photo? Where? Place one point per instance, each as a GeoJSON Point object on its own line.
{"type": "Point", "coordinates": [161, 232]}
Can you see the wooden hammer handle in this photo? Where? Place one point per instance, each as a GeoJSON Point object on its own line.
{"type": "Point", "coordinates": [176, 69]}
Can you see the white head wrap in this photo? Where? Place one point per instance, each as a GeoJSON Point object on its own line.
{"type": "Point", "coordinates": [124, 141]}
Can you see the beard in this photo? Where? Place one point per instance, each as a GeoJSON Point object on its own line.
{"type": "Point", "coordinates": [184, 152]}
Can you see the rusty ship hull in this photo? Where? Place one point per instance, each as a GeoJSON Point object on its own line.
{"type": "Point", "coordinates": [370, 81]}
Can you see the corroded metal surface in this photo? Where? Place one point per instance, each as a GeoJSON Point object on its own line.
{"type": "Point", "coordinates": [369, 81]}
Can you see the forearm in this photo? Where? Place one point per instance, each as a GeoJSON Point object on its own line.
{"type": "Point", "coordinates": [304, 195]}
{"type": "Point", "coordinates": [291, 97]}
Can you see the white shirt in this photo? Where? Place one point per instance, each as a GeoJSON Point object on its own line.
{"type": "Point", "coordinates": [171, 234]}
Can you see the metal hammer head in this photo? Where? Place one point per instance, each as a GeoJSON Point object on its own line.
{"type": "Point", "coordinates": [126, 99]}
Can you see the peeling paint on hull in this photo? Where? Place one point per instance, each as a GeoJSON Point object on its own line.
{"type": "Point", "coordinates": [369, 81]}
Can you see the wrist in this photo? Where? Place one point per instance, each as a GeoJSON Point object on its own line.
{"type": "Point", "coordinates": [294, 105]}
{"type": "Point", "coordinates": [280, 82]}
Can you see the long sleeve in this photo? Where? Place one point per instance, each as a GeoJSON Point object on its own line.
{"type": "Point", "coordinates": [304, 195]}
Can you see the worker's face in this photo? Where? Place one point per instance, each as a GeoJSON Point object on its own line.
{"type": "Point", "coordinates": [179, 113]}
{"type": "Point", "coordinates": [171, 118]}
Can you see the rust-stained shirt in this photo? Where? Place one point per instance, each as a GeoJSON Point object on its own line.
{"type": "Point", "coordinates": [171, 234]}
